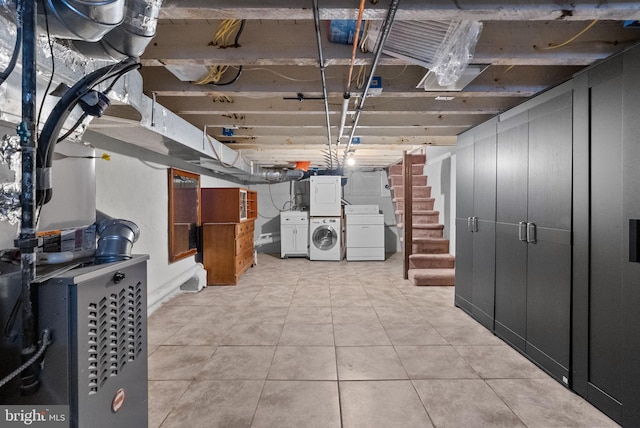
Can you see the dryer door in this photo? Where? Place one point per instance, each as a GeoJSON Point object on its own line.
{"type": "Point", "coordinates": [324, 237]}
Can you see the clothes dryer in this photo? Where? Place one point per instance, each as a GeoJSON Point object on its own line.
{"type": "Point", "coordinates": [325, 198]}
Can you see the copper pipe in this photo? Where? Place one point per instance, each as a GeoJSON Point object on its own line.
{"type": "Point", "coordinates": [355, 45]}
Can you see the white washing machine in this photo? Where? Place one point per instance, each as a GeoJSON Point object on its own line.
{"type": "Point", "coordinates": [324, 239]}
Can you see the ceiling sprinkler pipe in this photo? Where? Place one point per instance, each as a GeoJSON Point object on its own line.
{"type": "Point", "coordinates": [316, 16]}
{"type": "Point", "coordinates": [343, 117]}
{"type": "Point", "coordinates": [384, 34]}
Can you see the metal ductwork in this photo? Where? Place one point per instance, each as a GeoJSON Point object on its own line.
{"type": "Point", "coordinates": [129, 39]}
{"type": "Point", "coordinates": [104, 29]}
{"type": "Point", "coordinates": [86, 20]}
{"type": "Point", "coordinates": [281, 175]}
{"type": "Point", "coordinates": [116, 238]}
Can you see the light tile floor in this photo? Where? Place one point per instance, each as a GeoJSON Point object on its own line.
{"type": "Point", "coordinates": [341, 344]}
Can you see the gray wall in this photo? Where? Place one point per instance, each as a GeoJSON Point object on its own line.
{"type": "Point", "coordinates": [362, 188]}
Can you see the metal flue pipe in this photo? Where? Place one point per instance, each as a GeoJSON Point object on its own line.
{"type": "Point", "coordinates": [381, 41]}
{"type": "Point", "coordinates": [316, 20]}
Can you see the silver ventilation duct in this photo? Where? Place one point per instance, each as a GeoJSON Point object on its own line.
{"type": "Point", "coordinates": [117, 236]}
{"type": "Point", "coordinates": [281, 175]}
{"type": "Point", "coordinates": [129, 39]}
{"type": "Point", "coordinates": [104, 29]}
{"type": "Point", "coordinates": [82, 19]}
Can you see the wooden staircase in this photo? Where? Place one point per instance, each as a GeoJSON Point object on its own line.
{"type": "Point", "coordinates": [429, 261]}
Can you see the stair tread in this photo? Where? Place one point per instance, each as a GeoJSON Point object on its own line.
{"type": "Point", "coordinates": [400, 198]}
{"type": "Point", "coordinates": [433, 271]}
{"type": "Point", "coordinates": [401, 175]}
{"type": "Point", "coordinates": [446, 256]}
{"type": "Point", "coordinates": [431, 239]}
{"type": "Point", "coordinates": [432, 277]}
{"type": "Point", "coordinates": [424, 225]}
{"type": "Point", "coordinates": [422, 211]}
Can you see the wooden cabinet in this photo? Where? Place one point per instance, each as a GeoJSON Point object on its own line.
{"type": "Point", "coordinates": [227, 251]}
{"type": "Point", "coordinates": [228, 217]}
{"type": "Point", "coordinates": [228, 205]}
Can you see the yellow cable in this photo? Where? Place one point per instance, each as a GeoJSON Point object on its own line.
{"type": "Point", "coordinates": [227, 28]}
{"type": "Point", "coordinates": [573, 38]}
{"type": "Point", "coordinates": [360, 77]}
{"type": "Point", "coordinates": [213, 76]}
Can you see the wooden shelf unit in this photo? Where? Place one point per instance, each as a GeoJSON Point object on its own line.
{"type": "Point", "coordinates": [228, 217]}
{"type": "Point", "coordinates": [227, 204]}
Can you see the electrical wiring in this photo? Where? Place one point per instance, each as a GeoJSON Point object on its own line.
{"type": "Point", "coordinates": [565, 43]}
{"type": "Point", "coordinates": [281, 75]}
{"type": "Point", "coordinates": [151, 166]}
{"type": "Point", "coordinates": [213, 76]}
{"type": "Point", "coordinates": [223, 99]}
{"type": "Point", "coordinates": [221, 39]}
{"type": "Point", "coordinates": [237, 76]}
{"type": "Point", "coordinates": [215, 152]}
{"type": "Point", "coordinates": [52, 127]}
{"type": "Point", "coordinates": [84, 115]}
{"type": "Point", "coordinates": [360, 77]}
{"type": "Point", "coordinates": [222, 35]}
{"type": "Point", "coordinates": [14, 56]}
{"type": "Point", "coordinates": [53, 69]}
{"type": "Point", "coordinates": [363, 43]}
{"type": "Point", "coordinates": [397, 75]}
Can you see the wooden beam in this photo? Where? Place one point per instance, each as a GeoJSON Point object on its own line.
{"type": "Point", "coordinates": [494, 10]}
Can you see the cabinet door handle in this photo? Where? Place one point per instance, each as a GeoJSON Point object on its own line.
{"type": "Point", "coordinates": [522, 231]}
{"type": "Point", "coordinates": [470, 224]}
{"type": "Point", "coordinates": [475, 224]}
{"type": "Point", "coordinates": [531, 233]}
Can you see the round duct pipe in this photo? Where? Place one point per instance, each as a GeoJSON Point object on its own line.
{"type": "Point", "coordinates": [82, 19]}
{"type": "Point", "coordinates": [129, 39]}
{"type": "Point", "coordinates": [282, 175]}
{"type": "Point", "coordinates": [116, 238]}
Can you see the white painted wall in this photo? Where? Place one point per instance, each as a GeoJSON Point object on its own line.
{"type": "Point", "coordinates": [441, 172]}
{"type": "Point", "coordinates": [136, 190]}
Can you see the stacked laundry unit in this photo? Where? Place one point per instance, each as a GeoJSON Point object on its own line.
{"type": "Point", "coordinates": [325, 225]}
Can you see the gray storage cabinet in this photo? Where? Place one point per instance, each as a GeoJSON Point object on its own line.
{"type": "Point", "coordinates": [475, 223]}
{"type": "Point", "coordinates": [565, 260]}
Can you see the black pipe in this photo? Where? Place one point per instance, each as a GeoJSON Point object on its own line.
{"type": "Point", "coordinates": [59, 114]}
{"type": "Point", "coordinates": [27, 240]}
{"type": "Point", "coordinates": [14, 56]}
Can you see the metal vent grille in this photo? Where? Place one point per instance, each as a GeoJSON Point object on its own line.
{"type": "Point", "coordinates": [416, 41]}
{"type": "Point", "coordinates": [115, 334]}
